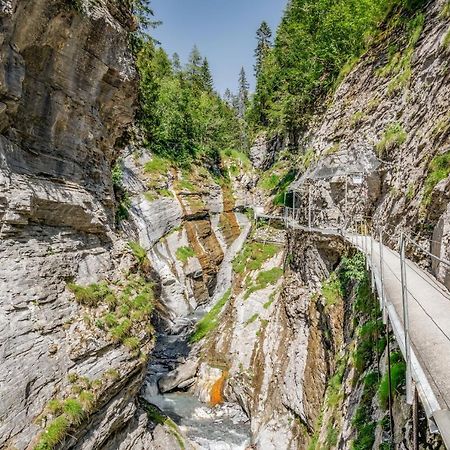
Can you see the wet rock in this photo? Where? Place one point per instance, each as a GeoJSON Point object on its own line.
{"type": "Point", "coordinates": [180, 378]}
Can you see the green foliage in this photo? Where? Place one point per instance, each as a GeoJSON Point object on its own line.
{"type": "Point", "coordinates": [184, 253]}
{"type": "Point", "coordinates": [121, 331]}
{"type": "Point", "coordinates": [398, 372]}
{"type": "Point", "coordinates": [252, 319]}
{"type": "Point", "coordinates": [438, 170]}
{"type": "Point", "coordinates": [211, 319]}
{"type": "Point", "coordinates": [55, 433]}
{"type": "Point", "coordinates": [112, 374]}
{"type": "Point", "coordinates": [74, 410]}
{"type": "Point", "coordinates": [283, 186]}
{"type": "Point", "coordinates": [117, 174]}
{"type": "Point", "coordinates": [334, 388]}
{"type": "Point", "coordinates": [446, 41]}
{"type": "Point", "coordinates": [370, 341]}
{"type": "Point", "coordinates": [332, 437]}
{"type": "Point", "coordinates": [317, 39]}
{"type": "Point", "coordinates": [132, 343]}
{"type": "Point", "coordinates": [362, 420]}
{"type": "Point", "coordinates": [139, 253]}
{"type": "Point", "coordinates": [332, 290]}
{"type": "Point", "coordinates": [446, 9]}
{"type": "Point", "coordinates": [157, 165]}
{"type": "Point", "coordinates": [393, 137]}
{"type": "Point", "coordinates": [87, 400]}
{"type": "Point", "coordinates": [180, 114]}
{"type": "Point", "coordinates": [155, 415]}
{"type": "Point", "coordinates": [400, 63]}
{"type": "Point", "coordinates": [269, 181]}
{"type": "Point", "coordinates": [123, 206]}
{"type": "Point", "coordinates": [253, 256]}
{"type": "Point", "coordinates": [264, 279]}
{"type": "Point", "coordinates": [90, 295]}
{"type": "Point", "coordinates": [55, 407]}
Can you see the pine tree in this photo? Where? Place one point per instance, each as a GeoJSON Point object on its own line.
{"type": "Point", "coordinates": [176, 63]}
{"type": "Point", "coordinates": [207, 79]}
{"type": "Point", "coordinates": [264, 38]}
{"type": "Point", "coordinates": [194, 68]}
{"type": "Point", "coordinates": [228, 97]}
{"type": "Point", "coordinates": [243, 93]}
{"type": "Point", "coordinates": [195, 63]}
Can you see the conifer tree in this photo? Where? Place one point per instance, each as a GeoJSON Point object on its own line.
{"type": "Point", "coordinates": [228, 97]}
{"type": "Point", "coordinates": [176, 63]}
{"type": "Point", "coordinates": [264, 39]}
{"type": "Point", "coordinates": [207, 79]}
{"type": "Point", "coordinates": [194, 67]}
{"type": "Point", "coordinates": [243, 93]}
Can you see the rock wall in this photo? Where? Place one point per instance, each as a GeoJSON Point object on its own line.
{"type": "Point", "coordinates": [67, 89]}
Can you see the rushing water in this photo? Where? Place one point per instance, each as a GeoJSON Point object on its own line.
{"type": "Point", "coordinates": [224, 427]}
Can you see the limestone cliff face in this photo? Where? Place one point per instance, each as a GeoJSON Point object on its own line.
{"type": "Point", "coordinates": [67, 89]}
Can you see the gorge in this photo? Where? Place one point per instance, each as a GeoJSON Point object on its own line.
{"type": "Point", "coordinates": [167, 280]}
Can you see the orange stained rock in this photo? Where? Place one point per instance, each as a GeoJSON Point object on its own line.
{"type": "Point", "coordinates": [216, 396]}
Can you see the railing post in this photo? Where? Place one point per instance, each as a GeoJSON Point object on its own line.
{"type": "Point", "coordinates": [382, 293]}
{"type": "Point", "coordinates": [293, 207]}
{"type": "Point", "coordinates": [409, 394]}
{"type": "Point", "coordinates": [372, 264]}
{"type": "Point", "coordinates": [309, 207]}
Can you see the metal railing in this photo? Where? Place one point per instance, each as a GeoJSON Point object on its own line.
{"type": "Point", "coordinates": [371, 239]}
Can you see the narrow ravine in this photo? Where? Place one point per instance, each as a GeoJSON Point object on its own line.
{"type": "Point", "coordinates": [220, 427]}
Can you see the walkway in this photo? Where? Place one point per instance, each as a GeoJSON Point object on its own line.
{"type": "Point", "coordinates": [427, 319]}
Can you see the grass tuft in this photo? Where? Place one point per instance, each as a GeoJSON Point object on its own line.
{"type": "Point", "coordinates": [184, 253]}
{"type": "Point", "coordinates": [394, 136]}
{"type": "Point", "coordinates": [210, 321]}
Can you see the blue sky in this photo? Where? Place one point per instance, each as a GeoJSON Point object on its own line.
{"type": "Point", "coordinates": [224, 31]}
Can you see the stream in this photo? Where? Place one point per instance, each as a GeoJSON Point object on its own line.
{"type": "Point", "coordinates": [223, 427]}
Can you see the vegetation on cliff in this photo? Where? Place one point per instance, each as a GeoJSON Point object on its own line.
{"type": "Point", "coordinates": [317, 43]}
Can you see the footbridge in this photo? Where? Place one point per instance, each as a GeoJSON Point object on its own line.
{"type": "Point", "coordinates": [415, 305]}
